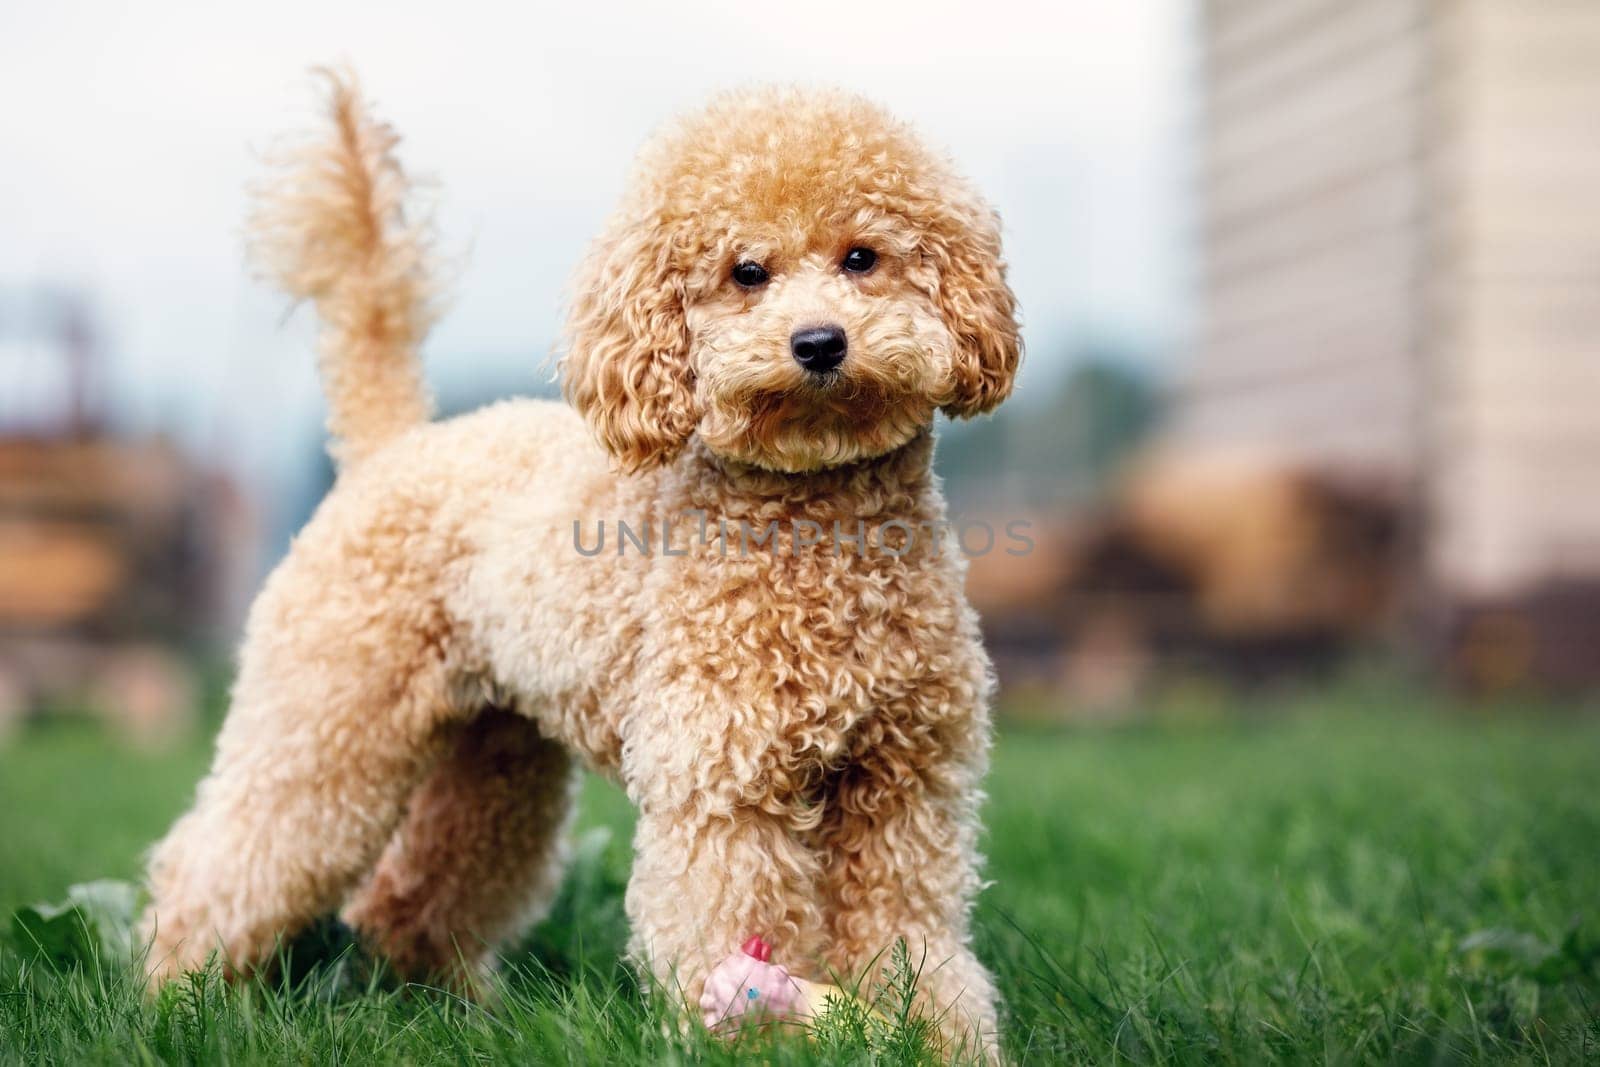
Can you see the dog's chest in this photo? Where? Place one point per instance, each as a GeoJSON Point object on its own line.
{"type": "Point", "coordinates": [802, 615]}
{"type": "Point", "coordinates": [806, 641]}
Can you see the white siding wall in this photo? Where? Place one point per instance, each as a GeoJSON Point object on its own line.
{"type": "Point", "coordinates": [1309, 219]}
{"type": "Point", "coordinates": [1515, 310]}
{"type": "Point", "coordinates": [1400, 263]}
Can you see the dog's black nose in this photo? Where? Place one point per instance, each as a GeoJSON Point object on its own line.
{"type": "Point", "coordinates": [818, 349]}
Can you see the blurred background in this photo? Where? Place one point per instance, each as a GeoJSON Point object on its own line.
{"type": "Point", "coordinates": [1311, 293]}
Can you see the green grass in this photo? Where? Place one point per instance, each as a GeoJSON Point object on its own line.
{"type": "Point", "coordinates": [1352, 878]}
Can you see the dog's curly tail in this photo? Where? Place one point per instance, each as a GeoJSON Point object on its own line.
{"type": "Point", "coordinates": [329, 225]}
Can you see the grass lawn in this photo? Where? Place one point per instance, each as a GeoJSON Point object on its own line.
{"type": "Point", "coordinates": [1350, 878]}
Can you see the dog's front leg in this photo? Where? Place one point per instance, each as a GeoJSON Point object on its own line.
{"type": "Point", "coordinates": [704, 880]}
{"type": "Point", "coordinates": [901, 841]}
{"type": "Point", "coordinates": [718, 857]}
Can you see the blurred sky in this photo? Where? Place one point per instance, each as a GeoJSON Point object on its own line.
{"type": "Point", "coordinates": [129, 131]}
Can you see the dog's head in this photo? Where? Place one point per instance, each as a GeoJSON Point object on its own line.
{"type": "Point", "coordinates": [797, 280]}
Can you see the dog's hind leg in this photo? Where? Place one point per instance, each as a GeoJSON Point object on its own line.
{"type": "Point", "coordinates": [338, 711]}
{"type": "Point", "coordinates": [479, 856]}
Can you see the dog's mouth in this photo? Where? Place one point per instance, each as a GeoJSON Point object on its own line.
{"type": "Point", "coordinates": [824, 382]}
{"type": "Point", "coordinates": [824, 422]}
{"type": "Point", "coordinates": [834, 399]}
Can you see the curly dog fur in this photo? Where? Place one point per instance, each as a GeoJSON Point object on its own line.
{"type": "Point", "coordinates": [804, 729]}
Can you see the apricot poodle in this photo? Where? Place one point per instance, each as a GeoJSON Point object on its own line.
{"type": "Point", "coordinates": [791, 288]}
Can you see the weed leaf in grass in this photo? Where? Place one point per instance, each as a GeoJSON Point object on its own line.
{"type": "Point", "coordinates": [94, 924]}
{"type": "Point", "coordinates": [1505, 949]}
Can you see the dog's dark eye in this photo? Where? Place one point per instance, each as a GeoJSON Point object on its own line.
{"type": "Point", "coordinates": [750, 274]}
{"type": "Point", "coordinates": [859, 260]}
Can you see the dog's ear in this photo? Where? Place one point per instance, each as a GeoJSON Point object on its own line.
{"type": "Point", "coordinates": [626, 367]}
{"type": "Point", "coordinates": [963, 252]}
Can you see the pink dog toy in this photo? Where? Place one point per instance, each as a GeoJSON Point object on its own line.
{"type": "Point", "coordinates": [747, 984]}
